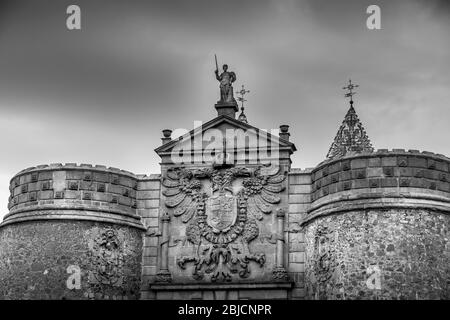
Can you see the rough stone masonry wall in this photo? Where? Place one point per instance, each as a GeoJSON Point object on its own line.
{"type": "Point", "coordinates": [299, 203]}
{"type": "Point", "coordinates": [63, 260]}
{"type": "Point", "coordinates": [379, 254]}
{"type": "Point", "coordinates": [378, 227]}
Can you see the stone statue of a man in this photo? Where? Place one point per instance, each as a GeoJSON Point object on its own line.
{"type": "Point", "coordinates": [226, 79]}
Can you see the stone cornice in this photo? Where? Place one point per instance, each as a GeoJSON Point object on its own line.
{"type": "Point", "coordinates": [378, 201]}
{"type": "Point", "coordinates": [75, 214]}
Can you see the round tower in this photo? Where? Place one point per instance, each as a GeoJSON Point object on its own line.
{"type": "Point", "coordinates": [72, 233]}
{"type": "Point", "coordinates": [378, 225]}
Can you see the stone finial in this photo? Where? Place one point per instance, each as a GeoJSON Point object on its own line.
{"type": "Point", "coordinates": [284, 132]}
{"type": "Point", "coordinates": [167, 136]}
{"type": "Point", "coordinates": [167, 133]}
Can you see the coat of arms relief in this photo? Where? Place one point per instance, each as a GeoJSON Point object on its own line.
{"type": "Point", "coordinates": [221, 208]}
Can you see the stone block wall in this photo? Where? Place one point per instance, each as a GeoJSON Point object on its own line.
{"type": "Point", "coordinates": [148, 204]}
{"type": "Point", "coordinates": [299, 203]}
{"type": "Point", "coordinates": [385, 170]}
{"type": "Point", "coordinates": [74, 192]}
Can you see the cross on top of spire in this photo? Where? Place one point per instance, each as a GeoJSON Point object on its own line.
{"type": "Point", "coordinates": [350, 92]}
{"type": "Point", "coordinates": [242, 92]}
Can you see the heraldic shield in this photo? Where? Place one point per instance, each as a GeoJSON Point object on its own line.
{"type": "Point", "coordinates": [222, 223]}
{"type": "Point", "coordinates": [221, 212]}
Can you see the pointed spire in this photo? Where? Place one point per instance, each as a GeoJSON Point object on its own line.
{"type": "Point", "coordinates": [351, 137]}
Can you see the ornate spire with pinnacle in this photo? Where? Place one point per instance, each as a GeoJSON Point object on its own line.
{"type": "Point", "coordinates": [351, 136]}
{"type": "Point", "coordinates": [242, 117]}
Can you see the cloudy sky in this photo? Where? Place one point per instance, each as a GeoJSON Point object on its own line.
{"type": "Point", "coordinates": [102, 95]}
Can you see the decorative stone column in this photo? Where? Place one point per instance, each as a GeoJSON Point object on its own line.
{"type": "Point", "coordinates": [163, 274]}
{"type": "Point", "coordinates": [279, 273]}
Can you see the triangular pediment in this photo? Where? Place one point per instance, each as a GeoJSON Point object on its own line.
{"type": "Point", "coordinates": [225, 132]}
{"type": "Point", "coordinates": [224, 123]}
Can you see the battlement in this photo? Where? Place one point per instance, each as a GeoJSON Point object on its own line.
{"type": "Point", "coordinates": [75, 166]}
{"type": "Point", "coordinates": [80, 191]}
{"type": "Point", "coordinates": [384, 178]}
{"type": "Point", "coordinates": [387, 152]}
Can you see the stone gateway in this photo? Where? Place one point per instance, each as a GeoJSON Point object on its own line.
{"type": "Point", "coordinates": [362, 224]}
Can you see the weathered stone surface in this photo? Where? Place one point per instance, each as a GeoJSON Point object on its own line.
{"type": "Point", "coordinates": [38, 259]}
{"type": "Point", "coordinates": [378, 254]}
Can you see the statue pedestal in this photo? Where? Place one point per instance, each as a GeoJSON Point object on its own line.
{"type": "Point", "coordinates": [226, 108]}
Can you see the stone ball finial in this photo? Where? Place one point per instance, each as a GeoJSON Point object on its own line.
{"type": "Point", "coordinates": [167, 133]}
{"type": "Point", "coordinates": [284, 128]}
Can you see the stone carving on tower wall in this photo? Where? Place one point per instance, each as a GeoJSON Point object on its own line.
{"type": "Point", "coordinates": [107, 259]}
{"type": "Point", "coordinates": [324, 262]}
{"type": "Point", "coordinates": [222, 207]}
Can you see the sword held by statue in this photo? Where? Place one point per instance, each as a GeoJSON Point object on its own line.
{"type": "Point", "coordinates": [217, 66]}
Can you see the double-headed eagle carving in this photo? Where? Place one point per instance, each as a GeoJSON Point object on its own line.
{"type": "Point", "coordinates": [221, 208]}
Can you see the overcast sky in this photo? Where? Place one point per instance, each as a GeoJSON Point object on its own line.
{"type": "Point", "coordinates": [102, 95]}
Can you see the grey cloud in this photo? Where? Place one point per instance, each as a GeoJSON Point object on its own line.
{"type": "Point", "coordinates": [101, 95]}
